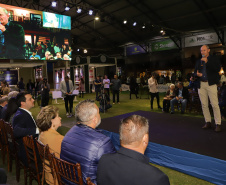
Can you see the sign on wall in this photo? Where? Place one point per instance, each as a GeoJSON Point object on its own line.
{"type": "Point", "coordinates": [10, 76]}
{"type": "Point", "coordinates": [163, 45]}
{"type": "Point", "coordinates": [197, 40]}
{"type": "Point", "coordinates": [134, 50]}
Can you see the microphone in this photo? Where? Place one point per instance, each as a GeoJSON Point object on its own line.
{"type": "Point", "coordinates": [201, 60]}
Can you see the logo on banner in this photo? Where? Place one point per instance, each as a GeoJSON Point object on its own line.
{"type": "Point", "coordinates": [103, 58]}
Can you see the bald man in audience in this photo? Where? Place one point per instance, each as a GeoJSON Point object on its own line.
{"type": "Point", "coordinates": [129, 165]}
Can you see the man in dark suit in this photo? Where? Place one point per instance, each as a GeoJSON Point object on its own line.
{"type": "Point", "coordinates": [12, 39]}
{"type": "Point", "coordinates": [23, 122]}
{"type": "Point", "coordinates": [129, 165]}
{"type": "Point", "coordinates": [182, 96]}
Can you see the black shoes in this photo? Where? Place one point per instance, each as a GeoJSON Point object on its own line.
{"type": "Point", "coordinates": [207, 125]}
{"type": "Point", "coordinates": [218, 128]}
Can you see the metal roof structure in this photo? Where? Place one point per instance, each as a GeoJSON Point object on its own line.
{"type": "Point", "coordinates": [176, 18]}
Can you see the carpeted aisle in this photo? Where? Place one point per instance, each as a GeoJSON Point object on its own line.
{"type": "Point", "coordinates": [178, 131]}
{"type": "Point", "coordinates": [179, 142]}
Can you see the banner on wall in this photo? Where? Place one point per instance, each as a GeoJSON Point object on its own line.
{"type": "Point", "coordinates": [10, 76]}
{"type": "Point", "coordinates": [163, 45]}
{"type": "Point", "coordinates": [198, 40]}
{"type": "Point", "coordinates": [134, 50]}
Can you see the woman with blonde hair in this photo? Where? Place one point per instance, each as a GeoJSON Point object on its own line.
{"type": "Point", "coordinates": [48, 121]}
{"type": "Point", "coordinates": [170, 94]}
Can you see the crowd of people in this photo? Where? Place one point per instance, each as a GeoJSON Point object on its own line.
{"type": "Point", "coordinates": [84, 143]}
{"type": "Point", "coordinates": [47, 51]}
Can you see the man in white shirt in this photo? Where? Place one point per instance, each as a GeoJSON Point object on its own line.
{"type": "Point", "coordinates": [106, 83]}
{"type": "Point", "coordinates": [153, 84]}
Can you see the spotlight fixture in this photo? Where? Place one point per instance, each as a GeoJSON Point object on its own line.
{"type": "Point", "coordinates": [78, 49]}
{"type": "Point", "coordinates": [54, 3]}
{"type": "Point", "coordinates": [90, 12]}
{"type": "Point", "coordinates": [67, 7]}
{"type": "Point", "coordinates": [79, 10]}
{"type": "Point", "coordinates": [85, 51]}
{"type": "Point", "coordinates": [125, 21]}
{"type": "Point", "coordinates": [97, 17]}
{"type": "Point", "coordinates": [135, 23]}
{"type": "Point", "coordinates": [143, 26]}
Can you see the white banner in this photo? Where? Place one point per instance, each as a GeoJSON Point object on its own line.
{"type": "Point", "coordinates": [198, 40]}
{"type": "Point", "coordinates": [160, 87]}
{"type": "Point", "coordinates": [125, 87]}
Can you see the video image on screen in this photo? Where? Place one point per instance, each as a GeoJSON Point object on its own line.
{"type": "Point", "coordinates": [28, 34]}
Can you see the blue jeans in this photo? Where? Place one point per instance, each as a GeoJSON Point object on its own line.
{"type": "Point", "coordinates": [182, 101]}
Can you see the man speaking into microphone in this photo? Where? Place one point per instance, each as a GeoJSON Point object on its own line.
{"type": "Point", "coordinates": [207, 70]}
{"type": "Point", "coordinates": [12, 39]}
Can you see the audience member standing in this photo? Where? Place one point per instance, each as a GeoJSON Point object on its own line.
{"type": "Point", "coordinates": [133, 87]}
{"type": "Point", "coordinates": [67, 88]}
{"type": "Point", "coordinates": [86, 143]}
{"type": "Point", "coordinates": [207, 69]}
{"type": "Point", "coordinates": [97, 84]}
{"type": "Point", "coordinates": [30, 87]}
{"type": "Point", "coordinates": [21, 85]}
{"type": "Point", "coordinates": [152, 84]}
{"type": "Point", "coordinates": [81, 87]}
{"type": "Point", "coordinates": [116, 87]}
{"type": "Point", "coordinates": [106, 83]}
{"type": "Point", "coordinates": [45, 88]}
{"type": "Point", "coordinates": [23, 122]}
{"type": "Point", "coordinates": [129, 166]}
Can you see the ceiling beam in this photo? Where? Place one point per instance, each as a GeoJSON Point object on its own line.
{"type": "Point", "coordinates": [210, 18]}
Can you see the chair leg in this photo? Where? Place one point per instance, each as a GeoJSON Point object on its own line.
{"type": "Point", "coordinates": [17, 164]}
{"type": "Point", "coordinates": [8, 160]}
{"type": "Point", "coordinates": [25, 176]}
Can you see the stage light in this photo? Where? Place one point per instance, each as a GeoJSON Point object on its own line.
{"type": "Point", "coordinates": [143, 26]}
{"type": "Point", "coordinates": [79, 10]}
{"type": "Point", "coordinates": [90, 12]}
{"type": "Point", "coordinates": [135, 23]}
{"type": "Point", "coordinates": [67, 7]}
{"type": "Point", "coordinates": [97, 17]}
{"type": "Point", "coordinates": [125, 22]}
{"type": "Point", "coordinates": [85, 51]}
{"type": "Point", "coordinates": [78, 49]}
{"type": "Point", "coordinates": [54, 3]}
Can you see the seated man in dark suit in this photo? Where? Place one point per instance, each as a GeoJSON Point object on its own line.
{"type": "Point", "coordinates": [182, 95]}
{"type": "Point", "coordinates": [23, 122]}
{"type": "Point", "coordinates": [129, 165]}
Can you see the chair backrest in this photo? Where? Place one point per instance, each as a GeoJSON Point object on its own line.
{"type": "Point", "coordinates": [10, 138]}
{"type": "Point", "coordinates": [33, 163]}
{"type": "Point", "coordinates": [3, 137]}
{"type": "Point", "coordinates": [67, 171]}
{"type": "Point", "coordinates": [45, 157]}
{"type": "Point", "coordinates": [89, 182]}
